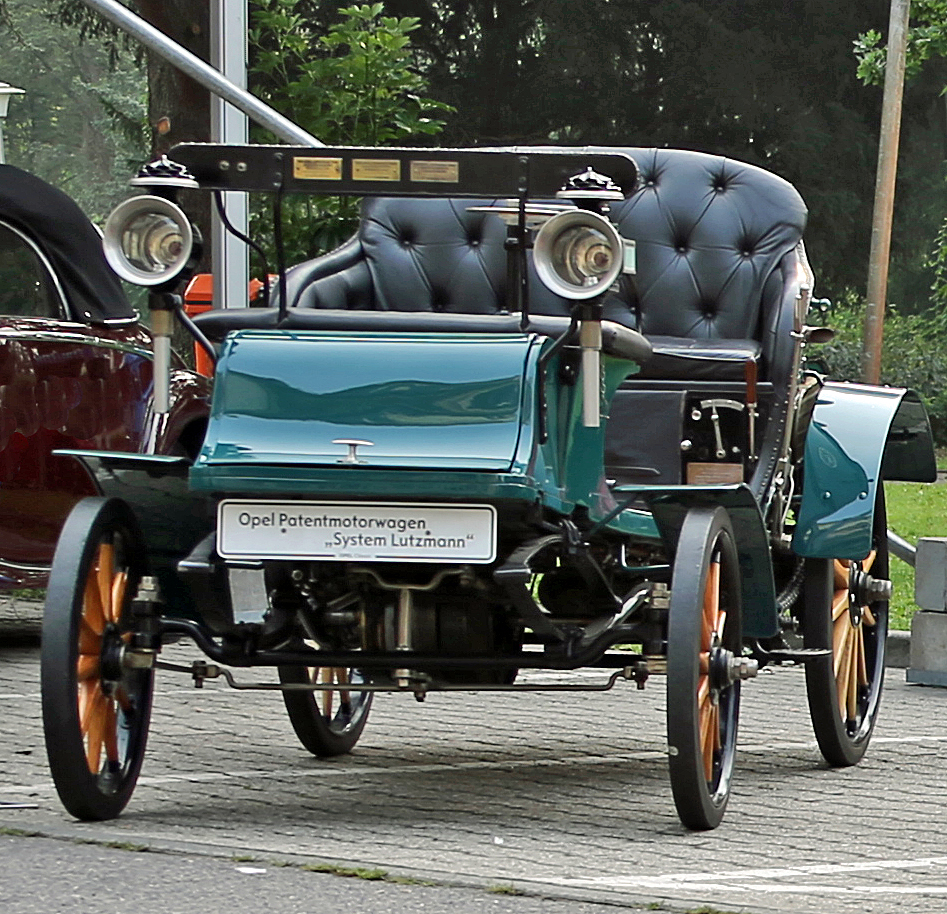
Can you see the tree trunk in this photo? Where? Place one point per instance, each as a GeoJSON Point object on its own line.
{"type": "Point", "coordinates": [178, 107]}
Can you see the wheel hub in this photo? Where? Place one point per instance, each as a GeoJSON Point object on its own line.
{"type": "Point", "coordinates": [863, 589]}
{"type": "Point", "coordinates": [720, 663]}
{"type": "Point", "coordinates": [726, 668]}
{"type": "Point", "coordinates": [112, 659]}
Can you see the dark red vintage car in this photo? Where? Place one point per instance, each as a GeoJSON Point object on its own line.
{"type": "Point", "coordinates": [75, 372]}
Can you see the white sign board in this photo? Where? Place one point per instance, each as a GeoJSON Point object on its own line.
{"type": "Point", "coordinates": [356, 531]}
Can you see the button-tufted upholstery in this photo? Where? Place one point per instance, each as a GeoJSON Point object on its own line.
{"type": "Point", "coordinates": [418, 255]}
{"type": "Point", "coordinates": [716, 250]}
{"type": "Point", "coordinates": [709, 232]}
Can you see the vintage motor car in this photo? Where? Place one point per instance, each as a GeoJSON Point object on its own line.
{"type": "Point", "coordinates": [75, 371]}
{"type": "Point", "coordinates": [546, 410]}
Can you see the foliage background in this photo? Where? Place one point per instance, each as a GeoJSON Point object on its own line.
{"type": "Point", "coordinates": [82, 123]}
{"type": "Point", "coordinates": [777, 84]}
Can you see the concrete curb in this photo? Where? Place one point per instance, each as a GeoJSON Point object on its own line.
{"type": "Point", "coordinates": [21, 620]}
{"type": "Point", "coordinates": [899, 650]}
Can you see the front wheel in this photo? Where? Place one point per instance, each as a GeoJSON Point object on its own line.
{"type": "Point", "coordinates": [96, 710]}
{"type": "Point", "coordinates": [846, 610]}
{"type": "Point", "coordinates": [703, 657]}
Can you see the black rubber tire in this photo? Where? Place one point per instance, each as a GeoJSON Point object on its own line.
{"type": "Point", "coordinates": [94, 784]}
{"type": "Point", "coordinates": [703, 708]}
{"type": "Point", "coordinates": [325, 724]}
{"type": "Point", "coordinates": [843, 737]}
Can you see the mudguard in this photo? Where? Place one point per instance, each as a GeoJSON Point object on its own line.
{"type": "Point", "coordinates": [669, 505]}
{"type": "Point", "coordinates": [859, 434]}
{"type": "Point", "coordinates": [171, 517]}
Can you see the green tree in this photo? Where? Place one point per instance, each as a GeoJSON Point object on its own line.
{"type": "Point", "coordinates": [767, 82]}
{"type": "Point", "coordinates": [927, 39]}
{"type": "Point", "coordinates": [352, 83]}
{"type": "Point", "coordinates": [82, 123]}
{"type": "Point", "coordinates": [762, 81]}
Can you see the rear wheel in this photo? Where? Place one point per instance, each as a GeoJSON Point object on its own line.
{"type": "Point", "coordinates": [96, 710]}
{"type": "Point", "coordinates": [846, 610]}
{"type": "Point", "coordinates": [704, 646]}
{"type": "Point", "coordinates": [327, 722]}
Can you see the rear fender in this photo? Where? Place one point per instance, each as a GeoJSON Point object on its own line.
{"type": "Point", "coordinates": [669, 505]}
{"type": "Point", "coordinates": [859, 434]}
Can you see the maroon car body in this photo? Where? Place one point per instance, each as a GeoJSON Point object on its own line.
{"type": "Point", "coordinates": [75, 372]}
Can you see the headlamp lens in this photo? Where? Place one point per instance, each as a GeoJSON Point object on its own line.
{"type": "Point", "coordinates": [150, 241]}
{"type": "Point", "coordinates": [581, 255]}
{"type": "Point", "coordinates": [153, 242]}
{"type": "Point", "coordinates": [578, 254]}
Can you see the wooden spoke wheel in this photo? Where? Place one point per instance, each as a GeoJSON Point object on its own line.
{"type": "Point", "coordinates": [846, 610]}
{"type": "Point", "coordinates": [96, 710]}
{"type": "Point", "coordinates": [327, 722]}
{"type": "Point", "coordinates": [703, 657]}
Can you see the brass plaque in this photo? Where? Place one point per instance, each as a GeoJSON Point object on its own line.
{"type": "Point", "coordinates": [714, 474]}
{"type": "Point", "coordinates": [435, 172]}
{"type": "Point", "coordinates": [312, 169]}
{"type": "Point", "coordinates": [376, 170]}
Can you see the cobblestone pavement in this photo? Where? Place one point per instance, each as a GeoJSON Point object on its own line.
{"type": "Point", "coordinates": [564, 794]}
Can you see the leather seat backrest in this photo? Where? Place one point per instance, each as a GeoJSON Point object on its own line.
{"type": "Point", "coordinates": [710, 235]}
{"type": "Point", "coordinates": [710, 232]}
{"type": "Point", "coordinates": [437, 255]}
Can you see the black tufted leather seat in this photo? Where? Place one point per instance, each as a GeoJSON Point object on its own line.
{"type": "Point", "coordinates": [417, 255]}
{"type": "Point", "coordinates": [716, 249]}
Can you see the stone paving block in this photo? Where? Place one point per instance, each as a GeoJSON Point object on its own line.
{"type": "Point", "coordinates": [559, 793]}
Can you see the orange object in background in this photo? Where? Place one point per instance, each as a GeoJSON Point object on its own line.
{"type": "Point", "coordinates": [198, 298]}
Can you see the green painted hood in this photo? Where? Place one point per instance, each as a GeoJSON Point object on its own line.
{"type": "Point", "coordinates": [445, 400]}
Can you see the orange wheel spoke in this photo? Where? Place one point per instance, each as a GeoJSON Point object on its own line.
{"type": "Point", "coordinates": [111, 732]}
{"type": "Point", "coordinates": [840, 635]}
{"type": "Point", "coordinates": [87, 691]}
{"type": "Point", "coordinates": [105, 574]}
{"type": "Point", "coordinates": [857, 647]}
{"type": "Point", "coordinates": [839, 603]}
{"type": "Point", "coordinates": [862, 660]}
{"type": "Point", "coordinates": [90, 641]}
{"type": "Point", "coordinates": [87, 667]}
{"type": "Point", "coordinates": [92, 610]}
{"type": "Point", "coordinates": [342, 677]}
{"type": "Point", "coordinates": [326, 675]}
{"type": "Point", "coordinates": [868, 617]}
{"type": "Point", "coordinates": [711, 605]}
{"type": "Point", "coordinates": [843, 674]}
{"type": "Point", "coordinates": [703, 691]}
{"type": "Point", "coordinates": [870, 560]}
{"type": "Point", "coordinates": [98, 717]}
{"type": "Point", "coordinates": [706, 720]}
{"type": "Point", "coordinates": [119, 585]}
{"type": "Point", "coordinates": [841, 569]}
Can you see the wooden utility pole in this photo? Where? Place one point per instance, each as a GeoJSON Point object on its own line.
{"type": "Point", "coordinates": [884, 190]}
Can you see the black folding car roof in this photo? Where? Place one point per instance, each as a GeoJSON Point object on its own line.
{"type": "Point", "coordinates": [63, 232]}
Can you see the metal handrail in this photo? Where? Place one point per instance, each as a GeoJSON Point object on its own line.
{"type": "Point", "coordinates": [203, 73]}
